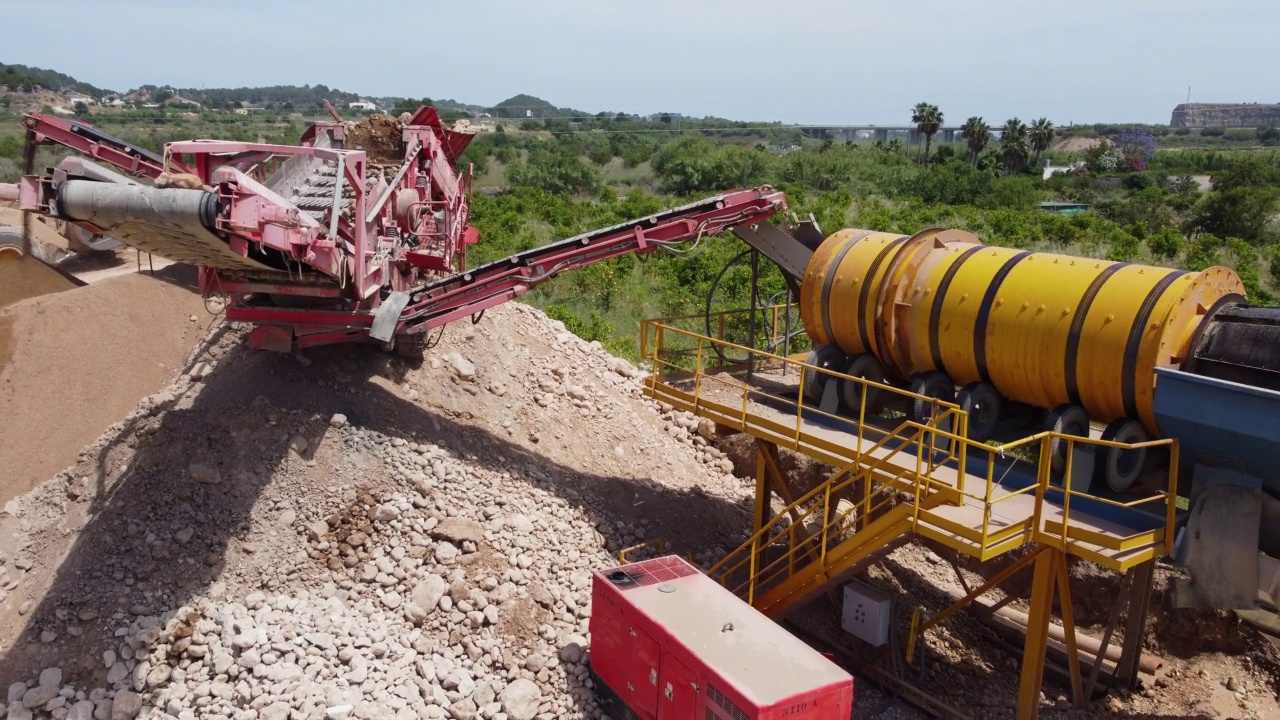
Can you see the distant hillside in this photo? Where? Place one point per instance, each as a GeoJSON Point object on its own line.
{"type": "Point", "coordinates": [276, 97]}
{"type": "Point", "coordinates": [530, 106]}
{"type": "Point", "coordinates": [300, 98]}
{"type": "Point", "coordinates": [22, 78]}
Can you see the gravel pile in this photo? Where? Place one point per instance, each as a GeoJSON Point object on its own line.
{"type": "Point", "coordinates": [267, 557]}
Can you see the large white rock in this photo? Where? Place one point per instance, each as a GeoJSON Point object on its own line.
{"type": "Point", "coordinates": [520, 699]}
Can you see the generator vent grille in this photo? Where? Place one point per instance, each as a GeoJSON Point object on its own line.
{"type": "Point", "coordinates": [650, 572]}
{"type": "Point", "coordinates": [731, 710]}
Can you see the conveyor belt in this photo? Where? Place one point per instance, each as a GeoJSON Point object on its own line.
{"type": "Point", "coordinates": [172, 223]}
{"type": "Point", "coordinates": [1240, 344]}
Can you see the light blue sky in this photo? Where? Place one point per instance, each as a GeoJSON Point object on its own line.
{"type": "Point", "coordinates": [813, 61]}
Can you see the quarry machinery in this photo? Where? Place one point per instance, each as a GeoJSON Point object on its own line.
{"type": "Point", "coordinates": [1077, 346]}
{"type": "Point", "coordinates": [360, 234]}
{"type": "Point", "coordinates": [357, 234]}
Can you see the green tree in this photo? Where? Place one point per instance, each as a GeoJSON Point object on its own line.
{"type": "Point", "coordinates": [1013, 146]}
{"type": "Point", "coordinates": [1165, 243]}
{"type": "Point", "coordinates": [1244, 198]}
{"type": "Point", "coordinates": [557, 172]}
{"type": "Point", "coordinates": [1040, 136]}
{"type": "Point", "coordinates": [81, 109]}
{"type": "Point", "coordinates": [927, 118]}
{"type": "Point", "coordinates": [976, 134]}
{"type": "Point", "coordinates": [694, 164]}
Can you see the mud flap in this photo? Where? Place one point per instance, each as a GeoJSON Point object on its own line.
{"type": "Point", "coordinates": [388, 316]}
{"type": "Point", "coordinates": [1219, 545]}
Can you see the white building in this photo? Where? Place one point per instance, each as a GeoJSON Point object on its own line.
{"type": "Point", "coordinates": [1051, 170]}
{"type": "Point", "coordinates": [75, 97]}
{"type": "Point", "coordinates": [362, 105]}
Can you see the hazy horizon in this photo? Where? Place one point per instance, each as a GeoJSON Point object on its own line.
{"type": "Point", "coordinates": [814, 62]}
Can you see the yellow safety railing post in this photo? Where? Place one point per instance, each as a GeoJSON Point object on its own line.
{"type": "Point", "coordinates": [1042, 484]}
{"type": "Point", "coordinates": [799, 405]}
{"type": "Point", "coordinates": [826, 513]}
{"type": "Point", "coordinates": [659, 345]}
{"type": "Point", "coordinates": [986, 499]}
{"type": "Point", "coordinates": [697, 375]}
{"type": "Point", "coordinates": [862, 412]}
{"type": "Point", "coordinates": [1066, 489]}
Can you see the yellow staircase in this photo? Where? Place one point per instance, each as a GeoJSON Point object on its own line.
{"type": "Point", "coordinates": [832, 532]}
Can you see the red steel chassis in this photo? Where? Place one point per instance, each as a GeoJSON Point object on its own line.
{"type": "Point", "coordinates": [398, 241]}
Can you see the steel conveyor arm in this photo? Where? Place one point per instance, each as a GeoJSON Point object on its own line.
{"type": "Point", "coordinates": [497, 282]}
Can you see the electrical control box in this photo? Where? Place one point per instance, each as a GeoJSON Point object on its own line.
{"type": "Point", "coordinates": [669, 643]}
{"type": "Point", "coordinates": [866, 613]}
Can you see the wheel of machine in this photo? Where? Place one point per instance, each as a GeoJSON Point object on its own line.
{"type": "Point", "coordinates": [827, 357]}
{"type": "Point", "coordinates": [931, 385]}
{"type": "Point", "coordinates": [982, 402]}
{"type": "Point", "coordinates": [1065, 420]}
{"type": "Point", "coordinates": [10, 242]}
{"type": "Point", "coordinates": [866, 367]}
{"type": "Point", "coordinates": [1117, 467]}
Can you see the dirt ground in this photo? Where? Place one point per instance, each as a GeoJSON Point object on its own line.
{"type": "Point", "coordinates": [1077, 144]}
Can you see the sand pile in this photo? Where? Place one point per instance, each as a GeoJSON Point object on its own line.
{"type": "Point", "coordinates": [74, 362]}
{"type": "Point", "coordinates": [26, 277]}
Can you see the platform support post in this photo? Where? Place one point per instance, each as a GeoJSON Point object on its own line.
{"type": "Point", "coordinates": [1139, 604]}
{"type": "Point", "coordinates": [764, 490]}
{"type": "Point", "coordinates": [1033, 654]}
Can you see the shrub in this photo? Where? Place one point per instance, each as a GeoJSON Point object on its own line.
{"type": "Point", "coordinates": [1124, 246]}
{"type": "Point", "coordinates": [1203, 253]}
{"type": "Point", "coordinates": [1212, 132]}
{"type": "Point", "coordinates": [1165, 243]}
{"type": "Point", "coordinates": [555, 172]}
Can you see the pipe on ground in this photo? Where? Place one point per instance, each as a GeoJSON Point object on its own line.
{"type": "Point", "coordinates": [1015, 620]}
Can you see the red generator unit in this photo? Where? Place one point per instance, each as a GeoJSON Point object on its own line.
{"type": "Point", "coordinates": [669, 643]}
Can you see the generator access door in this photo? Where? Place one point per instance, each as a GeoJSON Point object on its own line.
{"type": "Point", "coordinates": [677, 690]}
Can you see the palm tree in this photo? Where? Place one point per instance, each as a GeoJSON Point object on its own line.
{"type": "Point", "coordinates": [1041, 136]}
{"type": "Point", "coordinates": [1013, 146]}
{"type": "Point", "coordinates": [977, 134]}
{"type": "Point", "coordinates": [1013, 128]}
{"type": "Point", "coordinates": [928, 118]}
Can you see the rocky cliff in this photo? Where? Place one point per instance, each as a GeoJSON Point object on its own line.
{"type": "Point", "coordinates": [1197, 115]}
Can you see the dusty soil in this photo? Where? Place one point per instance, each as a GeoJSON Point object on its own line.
{"type": "Point", "coordinates": [26, 277]}
{"type": "Point", "coordinates": [76, 361]}
{"type": "Point", "coordinates": [1077, 144]}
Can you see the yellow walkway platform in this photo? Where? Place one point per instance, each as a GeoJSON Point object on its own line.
{"type": "Point", "coordinates": [897, 479]}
